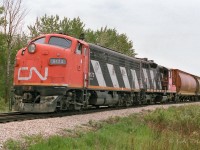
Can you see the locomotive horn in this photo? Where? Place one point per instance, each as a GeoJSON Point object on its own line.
{"type": "Point", "coordinates": [82, 36]}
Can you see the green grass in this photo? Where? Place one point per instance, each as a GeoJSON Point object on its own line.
{"type": "Point", "coordinates": [175, 128]}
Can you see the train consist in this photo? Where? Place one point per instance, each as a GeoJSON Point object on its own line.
{"type": "Point", "coordinates": [56, 72]}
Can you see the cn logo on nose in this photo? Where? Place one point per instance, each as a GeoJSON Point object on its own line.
{"type": "Point", "coordinates": [32, 69]}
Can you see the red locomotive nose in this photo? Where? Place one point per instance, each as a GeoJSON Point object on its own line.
{"type": "Point", "coordinates": [48, 67]}
{"type": "Point", "coordinates": [52, 59]}
{"type": "Point", "coordinates": [40, 64]}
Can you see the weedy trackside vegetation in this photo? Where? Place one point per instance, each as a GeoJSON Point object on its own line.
{"type": "Point", "coordinates": [174, 128]}
{"type": "Point", "coordinates": [3, 106]}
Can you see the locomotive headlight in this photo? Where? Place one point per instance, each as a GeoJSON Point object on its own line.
{"type": "Point", "coordinates": [57, 61]}
{"type": "Point", "coordinates": [32, 48]}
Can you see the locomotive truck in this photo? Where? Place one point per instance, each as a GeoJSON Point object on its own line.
{"type": "Point", "coordinates": [57, 72]}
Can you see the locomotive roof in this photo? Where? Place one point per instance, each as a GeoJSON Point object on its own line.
{"type": "Point", "coordinates": [111, 51]}
{"type": "Point", "coordinates": [114, 52]}
{"type": "Point", "coordinates": [101, 48]}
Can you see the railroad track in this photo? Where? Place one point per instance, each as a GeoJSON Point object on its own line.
{"type": "Point", "coordinates": [17, 116]}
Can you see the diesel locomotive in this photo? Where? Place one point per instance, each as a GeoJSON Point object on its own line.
{"type": "Point", "coordinates": [57, 72]}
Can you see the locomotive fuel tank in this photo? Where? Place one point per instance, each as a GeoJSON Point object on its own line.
{"type": "Point", "coordinates": [185, 83]}
{"type": "Point", "coordinates": [104, 98]}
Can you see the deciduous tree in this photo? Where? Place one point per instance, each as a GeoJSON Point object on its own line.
{"type": "Point", "coordinates": [75, 27]}
{"type": "Point", "coordinates": [112, 39]}
{"type": "Point", "coordinates": [53, 24]}
{"type": "Point", "coordinates": [13, 15]}
{"type": "Point", "coordinates": [2, 55]}
{"type": "Point", "coordinates": [1, 17]}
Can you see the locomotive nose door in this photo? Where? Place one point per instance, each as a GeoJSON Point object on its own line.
{"type": "Point", "coordinates": [80, 60]}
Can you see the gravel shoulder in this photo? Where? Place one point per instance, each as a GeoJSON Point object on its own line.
{"type": "Point", "coordinates": [53, 126]}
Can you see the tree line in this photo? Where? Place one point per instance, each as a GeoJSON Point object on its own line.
{"type": "Point", "coordinates": [13, 38]}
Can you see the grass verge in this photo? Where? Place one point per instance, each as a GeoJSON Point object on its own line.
{"type": "Point", "coordinates": [174, 128]}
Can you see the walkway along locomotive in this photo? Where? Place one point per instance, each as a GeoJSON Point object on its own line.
{"type": "Point", "coordinates": [56, 72]}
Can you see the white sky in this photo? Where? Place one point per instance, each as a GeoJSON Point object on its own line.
{"type": "Point", "coordinates": [166, 31]}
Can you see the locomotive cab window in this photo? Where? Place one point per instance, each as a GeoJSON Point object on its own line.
{"type": "Point", "coordinates": [60, 42]}
{"type": "Point", "coordinates": [79, 49]}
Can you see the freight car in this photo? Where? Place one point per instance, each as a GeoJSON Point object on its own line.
{"type": "Point", "coordinates": [56, 72]}
{"type": "Point", "coordinates": [186, 85]}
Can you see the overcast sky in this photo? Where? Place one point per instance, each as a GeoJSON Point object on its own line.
{"type": "Point", "coordinates": [167, 32]}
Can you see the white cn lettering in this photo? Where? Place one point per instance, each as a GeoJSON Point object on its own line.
{"type": "Point", "coordinates": [31, 72]}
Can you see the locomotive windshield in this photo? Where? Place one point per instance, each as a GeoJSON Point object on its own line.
{"type": "Point", "coordinates": [61, 42]}
{"type": "Point", "coordinates": [40, 40]}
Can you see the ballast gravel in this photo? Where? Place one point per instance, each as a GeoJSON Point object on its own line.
{"type": "Point", "coordinates": [53, 126]}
